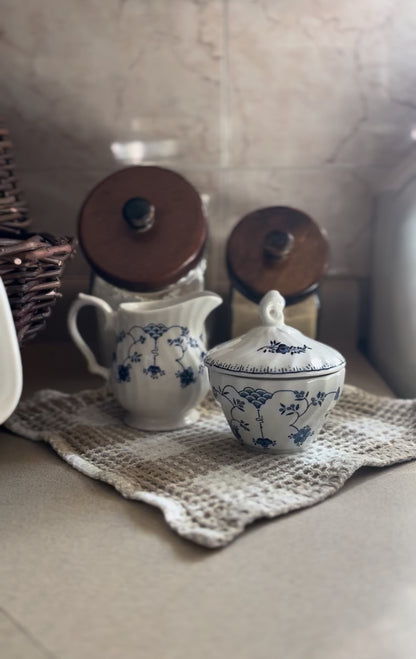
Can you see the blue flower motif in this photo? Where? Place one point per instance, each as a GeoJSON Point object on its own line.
{"type": "Point", "coordinates": [283, 349]}
{"type": "Point", "coordinates": [264, 442]}
{"type": "Point", "coordinates": [136, 356]}
{"type": "Point", "coordinates": [186, 376]}
{"type": "Point", "coordinates": [320, 397]}
{"type": "Point", "coordinates": [278, 347]}
{"type": "Point", "coordinates": [300, 395]}
{"type": "Point", "coordinates": [121, 336]}
{"type": "Point", "coordinates": [289, 409]}
{"type": "Point", "coordinates": [178, 341]}
{"type": "Point", "coordinates": [301, 435]}
{"type": "Point", "coordinates": [153, 371]}
{"type": "Point", "coordinates": [123, 373]}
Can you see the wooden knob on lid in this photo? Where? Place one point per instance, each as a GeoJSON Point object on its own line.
{"type": "Point", "coordinates": [276, 248]}
{"type": "Point", "coordinates": [278, 245]}
{"type": "Point", "coordinates": [139, 214]}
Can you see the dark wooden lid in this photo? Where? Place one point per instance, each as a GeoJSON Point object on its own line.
{"type": "Point", "coordinates": [142, 228]}
{"type": "Point", "coordinates": [276, 248]}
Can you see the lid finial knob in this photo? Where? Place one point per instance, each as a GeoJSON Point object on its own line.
{"type": "Point", "coordinates": [277, 245]}
{"type": "Point", "coordinates": [139, 213]}
{"type": "Point", "coordinates": [271, 309]}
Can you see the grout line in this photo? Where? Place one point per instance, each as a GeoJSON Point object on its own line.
{"type": "Point", "coordinates": [224, 163]}
{"type": "Point", "coordinates": [48, 654]}
{"type": "Point", "coordinates": [333, 274]}
{"type": "Point", "coordinates": [225, 132]}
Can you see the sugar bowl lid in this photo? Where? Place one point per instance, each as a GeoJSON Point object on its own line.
{"type": "Point", "coordinates": [274, 349]}
{"type": "Point", "coordinates": [143, 228]}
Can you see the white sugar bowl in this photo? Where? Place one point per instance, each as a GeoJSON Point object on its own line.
{"type": "Point", "coordinates": [274, 384]}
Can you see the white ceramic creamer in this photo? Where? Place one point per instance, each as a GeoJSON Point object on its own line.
{"type": "Point", "coordinates": [157, 372]}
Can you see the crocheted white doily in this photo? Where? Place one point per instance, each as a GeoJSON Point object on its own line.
{"type": "Point", "coordinates": [207, 485]}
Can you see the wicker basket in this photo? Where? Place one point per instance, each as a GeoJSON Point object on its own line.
{"type": "Point", "coordinates": [31, 264]}
{"type": "Point", "coordinates": [31, 267]}
{"type": "Point", "coordinates": [13, 210]}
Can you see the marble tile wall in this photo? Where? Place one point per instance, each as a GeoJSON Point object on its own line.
{"type": "Point", "coordinates": [257, 102]}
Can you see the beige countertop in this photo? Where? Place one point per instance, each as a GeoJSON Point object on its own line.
{"type": "Point", "coordinates": [85, 573]}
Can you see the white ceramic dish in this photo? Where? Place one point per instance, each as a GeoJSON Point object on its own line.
{"type": "Point", "coordinates": [11, 366]}
{"type": "Point", "coordinates": [274, 384]}
{"type": "Point", "coordinates": [157, 372]}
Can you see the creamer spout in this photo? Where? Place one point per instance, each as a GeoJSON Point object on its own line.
{"type": "Point", "coordinates": [206, 301]}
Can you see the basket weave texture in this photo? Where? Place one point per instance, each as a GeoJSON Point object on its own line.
{"type": "Point", "coordinates": [13, 210]}
{"type": "Point", "coordinates": [31, 264]}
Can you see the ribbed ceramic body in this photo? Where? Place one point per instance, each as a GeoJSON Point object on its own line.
{"type": "Point", "coordinates": [157, 372]}
{"type": "Point", "coordinates": [275, 385]}
{"type": "Point", "coordinates": [192, 282]}
{"type": "Point", "coordinates": [276, 415]}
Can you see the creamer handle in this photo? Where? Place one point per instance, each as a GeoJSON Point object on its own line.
{"type": "Point", "coordinates": [84, 300]}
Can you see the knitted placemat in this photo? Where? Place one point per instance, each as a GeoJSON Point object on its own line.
{"type": "Point", "coordinates": [207, 485]}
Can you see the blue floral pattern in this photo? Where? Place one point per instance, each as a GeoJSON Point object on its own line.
{"type": "Point", "coordinates": [123, 373]}
{"type": "Point", "coordinates": [302, 401]}
{"type": "Point", "coordinates": [264, 442]}
{"type": "Point", "coordinates": [155, 331]}
{"type": "Point", "coordinates": [256, 397]}
{"type": "Point", "coordinates": [186, 376]}
{"type": "Point", "coordinates": [301, 435]}
{"type": "Point", "coordinates": [154, 371]}
{"type": "Point", "coordinates": [177, 337]}
{"type": "Point", "coordinates": [279, 347]}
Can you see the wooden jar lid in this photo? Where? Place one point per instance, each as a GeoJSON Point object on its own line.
{"type": "Point", "coordinates": [142, 228]}
{"type": "Point", "coordinates": [276, 248]}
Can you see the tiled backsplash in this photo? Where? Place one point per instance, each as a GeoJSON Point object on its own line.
{"type": "Point", "coordinates": [257, 102]}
